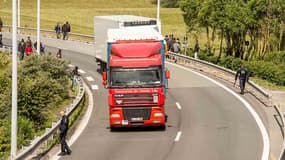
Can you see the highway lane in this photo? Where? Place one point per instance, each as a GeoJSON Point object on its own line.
{"type": "Point", "coordinates": [97, 142]}
{"type": "Point", "coordinates": [214, 124]}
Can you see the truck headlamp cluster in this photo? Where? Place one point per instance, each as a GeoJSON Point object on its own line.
{"type": "Point", "coordinates": [119, 101]}
{"type": "Point", "coordinates": [118, 95]}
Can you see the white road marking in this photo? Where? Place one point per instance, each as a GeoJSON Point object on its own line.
{"type": "Point", "coordinates": [81, 71]}
{"type": "Point", "coordinates": [178, 106]}
{"type": "Point", "coordinates": [94, 87]}
{"type": "Point", "coordinates": [265, 136]}
{"type": "Point", "coordinates": [178, 135]}
{"type": "Point", "coordinates": [90, 79]}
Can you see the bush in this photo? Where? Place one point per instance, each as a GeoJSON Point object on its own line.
{"type": "Point", "coordinates": [273, 72]}
{"type": "Point", "coordinates": [208, 57]}
{"type": "Point", "coordinates": [42, 86]}
{"type": "Point", "coordinates": [4, 59]}
{"type": "Point", "coordinates": [230, 62]}
{"type": "Point", "coordinates": [276, 57]}
{"type": "Point", "coordinates": [268, 71]}
{"type": "Point", "coordinates": [26, 132]}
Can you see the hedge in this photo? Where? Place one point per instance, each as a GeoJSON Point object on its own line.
{"type": "Point", "coordinates": [272, 68]}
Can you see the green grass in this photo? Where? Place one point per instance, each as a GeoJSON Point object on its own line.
{"type": "Point", "coordinates": [267, 85]}
{"type": "Point", "coordinates": [80, 13]}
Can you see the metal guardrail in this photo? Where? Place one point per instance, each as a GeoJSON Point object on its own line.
{"type": "Point", "coordinates": [6, 49]}
{"type": "Point", "coordinates": [280, 113]}
{"type": "Point", "coordinates": [87, 38]}
{"type": "Point", "coordinates": [38, 141]}
{"type": "Point", "coordinates": [251, 83]}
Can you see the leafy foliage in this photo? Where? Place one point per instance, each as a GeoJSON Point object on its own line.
{"type": "Point", "coordinates": [260, 22]}
{"type": "Point", "coordinates": [271, 71]}
{"type": "Point", "coordinates": [4, 59]}
{"type": "Point", "coordinates": [42, 86]}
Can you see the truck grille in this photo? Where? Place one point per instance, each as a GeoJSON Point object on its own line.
{"type": "Point", "coordinates": [131, 99]}
{"type": "Point", "coordinates": [136, 113]}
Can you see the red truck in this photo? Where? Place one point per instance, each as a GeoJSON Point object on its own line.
{"type": "Point", "coordinates": [135, 74]}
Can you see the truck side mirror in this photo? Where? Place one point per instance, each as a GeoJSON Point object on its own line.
{"type": "Point", "coordinates": [104, 78]}
{"type": "Point", "coordinates": [167, 74]}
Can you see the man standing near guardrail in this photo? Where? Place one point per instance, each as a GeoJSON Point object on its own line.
{"type": "Point", "coordinates": [63, 127]}
{"type": "Point", "coordinates": [1, 25]}
{"type": "Point", "coordinates": [196, 50]}
{"type": "Point", "coordinates": [243, 75]}
{"type": "Point", "coordinates": [74, 75]}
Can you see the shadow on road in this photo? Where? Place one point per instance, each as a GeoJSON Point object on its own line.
{"type": "Point", "coordinates": [138, 129]}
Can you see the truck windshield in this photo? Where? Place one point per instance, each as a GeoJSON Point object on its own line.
{"type": "Point", "coordinates": [136, 77]}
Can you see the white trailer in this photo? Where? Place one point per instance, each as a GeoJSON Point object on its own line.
{"type": "Point", "coordinates": [103, 23]}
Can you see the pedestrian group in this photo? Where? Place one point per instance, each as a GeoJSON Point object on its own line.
{"type": "Point", "coordinates": [65, 29]}
{"type": "Point", "coordinates": [27, 48]}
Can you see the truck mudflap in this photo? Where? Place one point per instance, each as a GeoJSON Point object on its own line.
{"type": "Point", "coordinates": [137, 117]}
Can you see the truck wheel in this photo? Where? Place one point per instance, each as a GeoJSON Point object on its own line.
{"type": "Point", "coordinates": [163, 128]}
{"type": "Point", "coordinates": [113, 129]}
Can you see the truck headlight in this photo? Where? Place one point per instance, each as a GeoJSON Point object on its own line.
{"type": "Point", "coordinates": [118, 95]}
{"type": "Point", "coordinates": [115, 115]}
{"type": "Point", "coordinates": [158, 114]}
{"type": "Point", "coordinates": [119, 101]}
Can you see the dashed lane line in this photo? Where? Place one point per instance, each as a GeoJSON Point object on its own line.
{"type": "Point", "coordinates": [178, 135]}
{"type": "Point", "coordinates": [81, 71]}
{"type": "Point", "coordinates": [94, 87]}
{"type": "Point", "coordinates": [178, 106]}
{"type": "Point", "coordinates": [260, 124]}
{"type": "Point", "coordinates": [90, 79]}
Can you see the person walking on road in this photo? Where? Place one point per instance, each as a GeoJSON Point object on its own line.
{"type": "Point", "coordinates": [175, 46]}
{"type": "Point", "coordinates": [29, 41]}
{"type": "Point", "coordinates": [22, 48]}
{"type": "Point", "coordinates": [63, 127]}
{"type": "Point", "coordinates": [196, 50]}
{"type": "Point", "coordinates": [65, 30]}
{"type": "Point", "coordinates": [74, 75]}
{"type": "Point", "coordinates": [58, 54]}
{"type": "Point", "coordinates": [243, 75]}
{"type": "Point", "coordinates": [57, 31]}
{"type": "Point", "coordinates": [1, 25]}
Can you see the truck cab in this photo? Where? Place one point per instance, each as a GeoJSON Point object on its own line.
{"type": "Point", "coordinates": [136, 77]}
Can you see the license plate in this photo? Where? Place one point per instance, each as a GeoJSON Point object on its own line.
{"type": "Point", "coordinates": [155, 99]}
{"type": "Point", "coordinates": [137, 119]}
{"type": "Point", "coordinates": [125, 122]}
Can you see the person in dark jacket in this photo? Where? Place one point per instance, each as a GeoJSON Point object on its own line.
{"type": "Point", "coordinates": [63, 128]}
{"type": "Point", "coordinates": [57, 31]}
{"type": "Point", "coordinates": [74, 75]}
{"type": "Point", "coordinates": [22, 48]}
{"type": "Point", "coordinates": [243, 75]}
{"type": "Point", "coordinates": [1, 25]}
{"type": "Point", "coordinates": [65, 31]}
{"type": "Point", "coordinates": [42, 47]}
{"type": "Point", "coordinates": [196, 50]}
{"type": "Point", "coordinates": [58, 54]}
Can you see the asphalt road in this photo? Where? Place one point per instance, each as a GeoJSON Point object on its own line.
{"type": "Point", "coordinates": [205, 123]}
